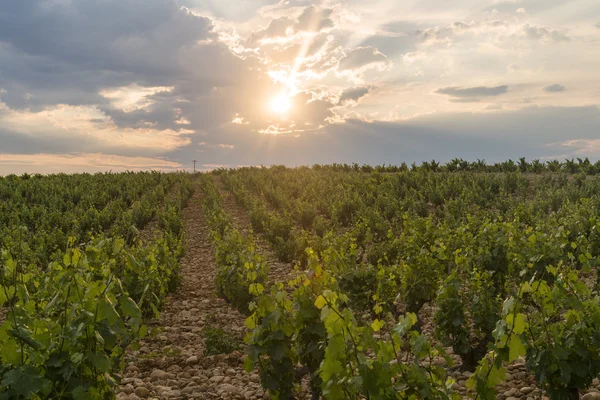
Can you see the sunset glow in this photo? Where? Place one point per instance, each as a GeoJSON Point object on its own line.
{"type": "Point", "coordinates": [293, 79]}
{"type": "Point", "coordinates": [281, 104]}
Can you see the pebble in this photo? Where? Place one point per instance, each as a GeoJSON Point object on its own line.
{"type": "Point", "coordinates": [193, 360]}
{"type": "Point", "coordinates": [142, 392]}
{"type": "Point", "coordinates": [228, 388]}
{"type": "Point", "coordinates": [526, 390]}
{"type": "Point", "coordinates": [159, 374]}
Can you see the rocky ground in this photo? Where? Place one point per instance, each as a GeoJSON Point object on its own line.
{"type": "Point", "coordinates": [172, 362]}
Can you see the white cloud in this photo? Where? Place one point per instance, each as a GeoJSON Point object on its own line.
{"type": "Point", "coordinates": [132, 97]}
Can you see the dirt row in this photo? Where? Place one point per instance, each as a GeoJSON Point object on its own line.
{"type": "Point", "coordinates": [173, 362]}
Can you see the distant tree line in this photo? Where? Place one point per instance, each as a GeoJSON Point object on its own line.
{"type": "Point", "coordinates": [572, 166]}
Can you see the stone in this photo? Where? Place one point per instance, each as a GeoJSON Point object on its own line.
{"type": "Point", "coordinates": [142, 392]}
{"type": "Point", "coordinates": [193, 360]}
{"type": "Point", "coordinates": [591, 396]}
{"type": "Point", "coordinates": [160, 390]}
{"type": "Point", "coordinates": [526, 390]}
{"type": "Point", "coordinates": [216, 379]}
{"type": "Point", "coordinates": [159, 374]}
{"type": "Point", "coordinates": [127, 389]}
{"type": "Point", "coordinates": [227, 388]}
{"type": "Point", "coordinates": [189, 389]}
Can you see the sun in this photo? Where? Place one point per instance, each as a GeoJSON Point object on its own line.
{"type": "Point", "coordinates": [281, 104]}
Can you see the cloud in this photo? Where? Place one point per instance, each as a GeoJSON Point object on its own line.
{"type": "Point", "coordinates": [353, 94]}
{"type": "Point", "coordinates": [314, 19]}
{"type": "Point", "coordinates": [472, 93]}
{"type": "Point", "coordinates": [362, 58]}
{"type": "Point", "coordinates": [579, 147]}
{"type": "Point", "coordinates": [97, 161]}
{"type": "Point", "coordinates": [545, 33]}
{"type": "Point", "coordinates": [86, 127]}
{"type": "Point", "coordinates": [279, 27]}
{"type": "Point", "coordinates": [555, 88]}
{"type": "Point", "coordinates": [435, 36]}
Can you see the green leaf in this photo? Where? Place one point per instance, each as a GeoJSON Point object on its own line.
{"type": "Point", "coordinates": [377, 325]}
{"type": "Point", "coordinates": [320, 302]}
{"type": "Point", "coordinates": [250, 322]}
{"type": "Point", "coordinates": [515, 348]}
{"type": "Point", "coordinates": [519, 324]}
{"type": "Point", "coordinates": [25, 381]}
{"type": "Point", "coordinates": [256, 289]}
{"type": "Point", "coordinates": [130, 308]}
{"type": "Point", "coordinates": [106, 310]}
{"type": "Point", "coordinates": [25, 335]}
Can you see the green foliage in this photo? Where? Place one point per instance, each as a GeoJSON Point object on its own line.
{"type": "Point", "coordinates": [468, 309]}
{"type": "Point", "coordinates": [314, 327]}
{"type": "Point", "coordinates": [74, 304]}
{"type": "Point", "coordinates": [464, 237]}
{"type": "Point", "coordinates": [241, 272]}
{"type": "Point", "coordinates": [218, 341]}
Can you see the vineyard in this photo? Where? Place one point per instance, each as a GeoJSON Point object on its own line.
{"type": "Point", "coordinates": [85, 260]}
{"type": "Point", "coordinates": [463, 280]}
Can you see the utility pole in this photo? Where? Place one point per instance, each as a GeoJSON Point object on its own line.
{"type": "Point", "coordinates": [195, 166]}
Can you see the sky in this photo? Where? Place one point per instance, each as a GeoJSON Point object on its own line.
{"type": "Point", "coordinates": [98, 85]}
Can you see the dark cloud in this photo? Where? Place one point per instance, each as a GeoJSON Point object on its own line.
{"type": "Point", "coordinates": [353, 94]}
{"type": "Point", "coordinates": [545, 33]}
{"type": "Point", "coordinates": [555, 88]}
{"type": "Point", "coordinates": [361, 57]}
{"type": "Point", "coordinates": [473, 92]}
{"type": "Point", "coordinates": [66, 52]}
{"type": "Point", "coordinates": [532, 132]}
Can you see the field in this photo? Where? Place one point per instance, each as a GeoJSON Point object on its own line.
{"type": "Point", "coordinates": [463, 280]}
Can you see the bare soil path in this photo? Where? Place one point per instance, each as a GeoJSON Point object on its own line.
{"type": "Point", "coordinates": [172, 362]}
